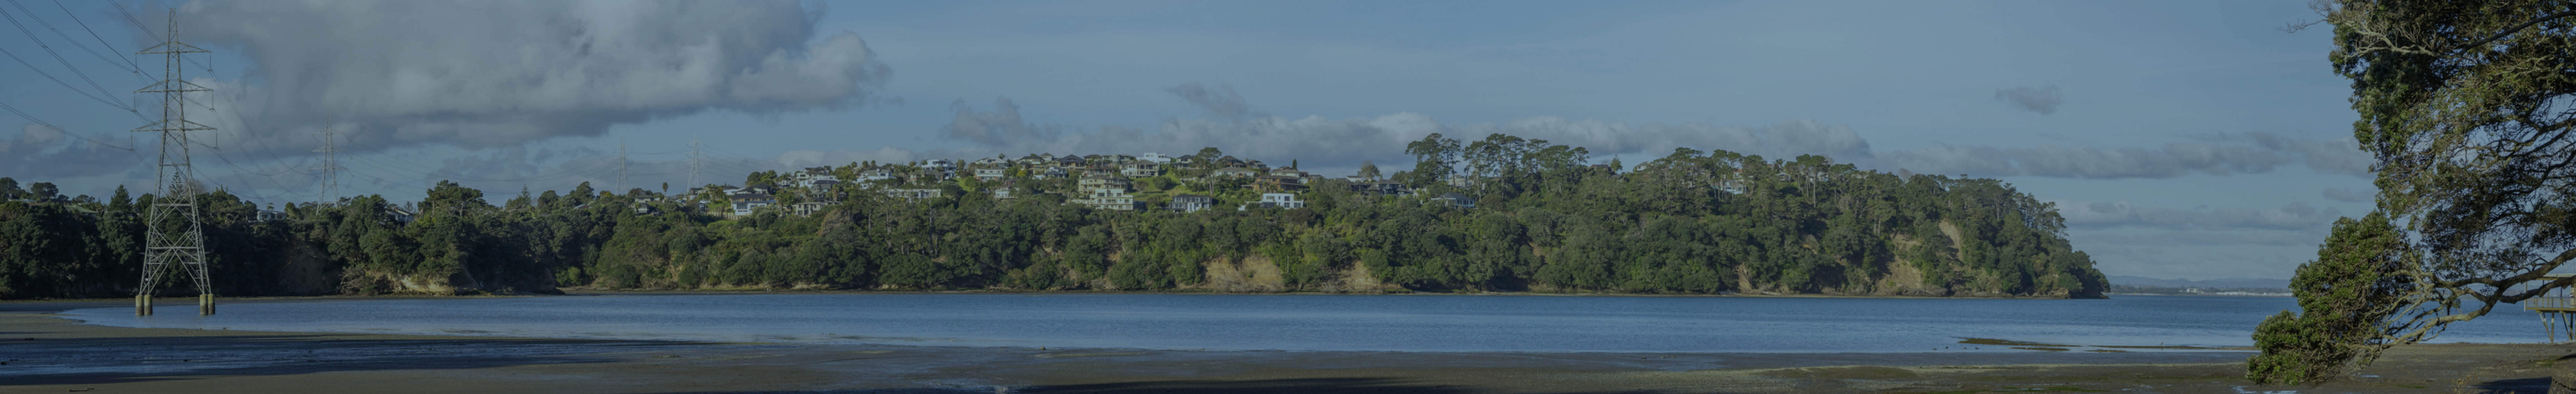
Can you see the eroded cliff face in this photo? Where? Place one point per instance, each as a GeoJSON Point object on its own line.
{"type": "Point", "coordinates": [303, 269]}
{"type": "Point", "coordinates": [362, 282]}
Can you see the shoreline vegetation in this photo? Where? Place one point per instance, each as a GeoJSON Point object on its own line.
{"type": "Point", "coordinates": [583, 291]}
{"type": "Point", "coordinates": [1512, 216]}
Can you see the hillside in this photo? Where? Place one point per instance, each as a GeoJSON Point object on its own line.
{"type": "Point", "coordinates": [1543, 221]}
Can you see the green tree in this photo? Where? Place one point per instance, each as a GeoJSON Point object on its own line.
{"type": "Point", "coordinates": [2459, 103]}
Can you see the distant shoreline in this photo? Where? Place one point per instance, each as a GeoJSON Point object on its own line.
{"type": "Point", "coordinates": [588, 292]}
{"type": "Point", "coordinates": [2207, 294]}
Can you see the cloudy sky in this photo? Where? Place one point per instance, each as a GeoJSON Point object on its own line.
{"type": "Point", "coordinates": [2181, 139]}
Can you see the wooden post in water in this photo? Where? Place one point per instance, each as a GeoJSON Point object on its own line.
{"type": "Point", "coordinates": [143, 305]}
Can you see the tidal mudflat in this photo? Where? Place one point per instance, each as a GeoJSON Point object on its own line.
{"type": "Point", "coordinates": [48, 353]}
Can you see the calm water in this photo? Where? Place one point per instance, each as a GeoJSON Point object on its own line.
{"type": "Point", "coordinates": [1305, 322]}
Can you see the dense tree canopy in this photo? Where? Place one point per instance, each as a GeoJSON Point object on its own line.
{"type": "Point", "coordinates": [1689, 223]}
{"type": "Point", "coordinates": [2465, 107]}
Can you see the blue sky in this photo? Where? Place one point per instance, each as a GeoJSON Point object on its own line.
{"type": "Point", "coordinates": [2183, 139]}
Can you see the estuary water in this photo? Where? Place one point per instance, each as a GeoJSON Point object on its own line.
{"type": "Point", "coordinates": [1411, 323]}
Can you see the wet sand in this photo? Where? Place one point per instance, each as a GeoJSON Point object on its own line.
{"type": "Point", "coordinates": [41, 353]}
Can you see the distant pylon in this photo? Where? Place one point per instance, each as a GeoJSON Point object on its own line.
{"type": "Point", "coordinates": [169, 242]}
{"type": "Point", "coordinates": [330, 166]}
{"type": "Point", "coordinates": [621, 167]}
{"type": "Point", "coordinates": [696, 161]}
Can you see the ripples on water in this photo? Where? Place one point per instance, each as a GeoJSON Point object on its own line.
{"type": "Point", "coordinates": [1433, 323]}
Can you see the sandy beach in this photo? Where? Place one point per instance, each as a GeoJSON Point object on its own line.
{"type": "Point", "coordinates": [44, 353]}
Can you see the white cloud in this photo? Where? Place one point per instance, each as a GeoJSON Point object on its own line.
{"type": "Point", "coordinates": [483, 74]}
{"type": "Point", "coordinates": [1338, 144]}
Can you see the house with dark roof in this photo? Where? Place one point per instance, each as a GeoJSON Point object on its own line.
{"type": "Point", "coordinates": [1381, 188]}
{"type": "Point", "coordinates": [1141, 169]}
{"type": "Point", "coordinates": [1277, 183]}
{"type": "Point", "coordinates": [745, 203]}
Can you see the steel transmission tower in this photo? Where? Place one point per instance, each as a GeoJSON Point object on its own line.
{"type": "Point", "coordinates": [330, 166]}
{"type": "Point", "coordinates": [171, 242]}
{"type": "Point", "coordinates": [621, 165]}
{"type": "Point", "coordinates": [696, 161]}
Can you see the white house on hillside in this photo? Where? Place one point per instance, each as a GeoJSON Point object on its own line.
{"type": "Point", "coordinates": [1278, 200]}
{"type": "Point", "coordinates": [880, 174]}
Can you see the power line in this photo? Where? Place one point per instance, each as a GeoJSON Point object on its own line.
{"type": "Point", "coordinates": [585, 167]}
{"type": "Point", "coordinates": [68, 85]}
{"type": "Point", "coordinates": [57, 129]}
{"type": "Point", "coordinates": [58, 56]}
{"type": "Point", "coordinates": [67, 37]}
{"type": "Point", "coordinates": [138, 23]}
{"type": "Point", "coordinates": [93, 34]}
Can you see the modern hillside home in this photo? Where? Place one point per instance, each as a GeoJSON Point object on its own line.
{"type": "Point", "coordinates": [990, 174]}
{"type": "Point", "coordinates": [912, 194]}
{"type": "Point", "coordinates": [1111, 200]}
{"type": "Point", "coordinates": [1278, 183]}
{"type": "Point", "coordinates": [745, 203]}
{"type": "Point", "coordinates": [926, 175]}
{"type": "Point", "coordinates": [1191, 203]}
{"type": "Point", "coordinates": [1102, 182]}
{"type": "Point", "coordinates": [1455, 200]}
{"type": "Point", "coordinates": [1233, 172]}
{"type": "Point", "coordinates": [821, 184]}
{"type": "Point", "coordinates": [1141, 169]}
{"type": "Point", "coordinates": [873, 175]}
{"type": "Point", "coordinates": [1278, 200]}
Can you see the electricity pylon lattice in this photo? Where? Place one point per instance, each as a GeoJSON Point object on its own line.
{"type": "Point", "coordinates": [176, 236]}
{"type": "Point", "coordinates": [696, 161]}
{"type": "Point", "coordinates": [330, 167]}
{"type": "Point", "coordinates": [621, 168]}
